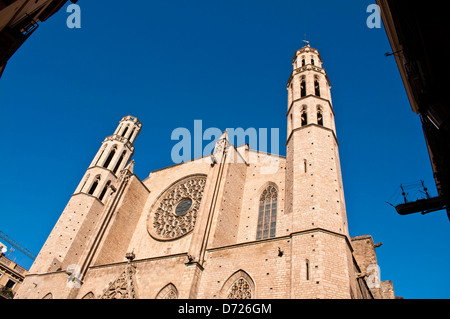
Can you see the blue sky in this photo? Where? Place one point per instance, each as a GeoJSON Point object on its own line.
{"type": "Point", "coordinates": [225, 63]}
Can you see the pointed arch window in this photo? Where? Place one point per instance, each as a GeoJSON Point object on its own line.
{"type": "Point", "coordinates": [319, 116]}
{"type": "Point", "coordinates": [94, 185]}
{"type": "Point", "coordinates": [168, 292]}
{"type": "Point", "coordinates": [303, 87]}
{"type": "Point", "coordinates": [101, 154]}
{"type": "Point", "coordinates": [267, 217]}
{"type": "Point", "coordinates": [124, 131]}
{"type": "Point", "coordinates": [85, 181]}
{"type": "Point", "coordinates": [131, 135]}
{"type": "Point", "coordinates": [119, 161]}
{"type": "Point", "coordinates": [238, 286]}
{"type": "Point", "coordinates": [316, 86]}
{"type": "Point", "coordinates": [110, 156]}
{"type": "Point", "coordinates": [240, 290]}
{"type": "Point", "coordinates": [304, 116]}
{"type": "Point", "coordinates": [89, 295]}
{"type": "Point", "coordinates": [105, 189]}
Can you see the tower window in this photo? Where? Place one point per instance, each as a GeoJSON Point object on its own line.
{"type": "Point", "coordinates": [105, 189]}
{"type": "Point", "coordinates": [86, 179]}
{"type": "Point", "coordinates": [319, 116]}
{"type": "Point", "coordinates": [125, 131]}
{"type": "Point", "coordinates": [119, 162]}
{"type": "Point", "coordinates": [94, 185]}
{"type": "Point", "coordinates": [100, 156]}
{"type": "Point", "coordinates": [304, 116]}
{"type": "Point", "coordinates": [317, 87]}
{"type": "Point", "coordinates": [267, 217]}
{"type": "Point", "coordinates": [303, 61]}
{"type": "Point", "coordinates": [312, 61]}
{"type": "Point", "coordinates": [110, 157]}
{"type": "Point", "coordinates": [303, 87]}
{"type": "Point", "coordinates": [131, 135]}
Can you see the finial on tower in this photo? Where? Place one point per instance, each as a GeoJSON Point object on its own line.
{"type": "Point", "coordinates": [306, 42]}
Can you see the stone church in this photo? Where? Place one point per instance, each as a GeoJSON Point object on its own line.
{"type": "Point", "coordinates": [219, 226]}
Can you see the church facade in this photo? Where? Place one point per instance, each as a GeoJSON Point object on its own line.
{"type": "Point", "coordinates": [221, 226]}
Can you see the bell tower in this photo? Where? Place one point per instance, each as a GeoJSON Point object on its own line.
{"type": "Point", "coordinates": [68, 243]}
{"type": "Point", "coordinates": [314, 189]}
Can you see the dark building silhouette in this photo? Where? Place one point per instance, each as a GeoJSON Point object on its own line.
{"type": "Point", "coordinates": [418, 34]}
{"type": "Point", "coordinates": [18, 21]}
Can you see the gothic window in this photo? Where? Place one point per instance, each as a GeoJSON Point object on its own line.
{"type": "Point", "coordinates": [319, 116]}
{"type": "Point", "coordinates": [168, 292]}
{"type": "Point", "coordinates": [85, 181]}
{"type": "Point", "coordinates": [89, 295]}
{"type": "Point", "coordinates": [240, 290]}
{"type": "Point", "coordinates": [267, 218]}
{"type": "Point", "coordinates": [124, 131]}
{"type": "Point", "coordinates": [110, 157]}
{"type": "Point", "coordinates": [304, 116]}
{"type": "Point", "coordinates": [103, 150]}
{"type": "Point", "coordinates": [317, 87]}
{"type": "Point", "coordinates": [238, 286]}
{"type": "Point", "coordinates": [105, 189]}
{"type": "Point", "coordinates": [303, 87]}
{"type": "Point", "coordinates": [303, 61]}
{"type": "Point", "coordinates": [132, 132]}
{"type": "Point", "coordinates": [312, 61]}
{"type": "Point", "coordinates": [94, 185]}
{"type": "Point", "coordinates": [119, 161]}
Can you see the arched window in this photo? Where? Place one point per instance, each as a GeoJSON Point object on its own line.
{"type": "Point", "coordinates": [303, 61]}
{"type": "Point", "coordinates": [84, 184]}
{"type": "Point", "coordinates": [304, 116]}
{"type": "Point", "coordinates": [319, 116]}
{"type": "Point", "coordinates": [312, 61]}
{"type": "Point", "coordinates": [240, 290]}
{"type": "Point", "coordinates": [124, 131]}
{"type": "Point", "coordinates": [238, 286]}
{"type": "Point", "coordinates": [94, 185]}
{"type": "Point", "coordinates": [89, 295]}
{"type": "Point", "coordinates": [303, 87]}
{"type": "Point", "coordinates": [168, 292]}
{"type": "Point", "coordinates": [131, 135]}
{"type": "Point", "coordinates": [119, 161]}
{"type": "Point", "coordinates": [103, 150]}
{"type": "Point", "coordinates": [317, 87]}
{"type": "Point", "coordinates": [105, 189]}
{"type": "Point", "coordinates": [267, 218]}
{"type": "Point", "coordinates": [110, 157]}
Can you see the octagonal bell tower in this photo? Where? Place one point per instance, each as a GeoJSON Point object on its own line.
{"type": "Point", "coordinates": [68, 245]}
{"type": "Point", "coordinates": [314, 189]}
